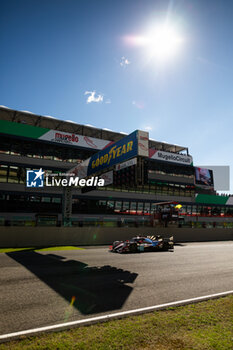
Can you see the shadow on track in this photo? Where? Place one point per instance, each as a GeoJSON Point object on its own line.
{"type": "Point", "coordinates": [91, 289]}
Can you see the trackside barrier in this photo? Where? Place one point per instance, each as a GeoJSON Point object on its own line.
{"type": "Point", "coordinates": [50, 236]}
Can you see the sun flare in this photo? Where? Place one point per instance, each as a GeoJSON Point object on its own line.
{"type": "Point", "coordinates": [163, 42]}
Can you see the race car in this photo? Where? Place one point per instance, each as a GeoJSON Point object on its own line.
{"type": "Point", "coordinates": [142, 244]}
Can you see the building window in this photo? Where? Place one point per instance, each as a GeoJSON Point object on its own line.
{"type": "Point", "coordinates": [46, 199]}
{"type": "Point", "coordinates": [56, 200]}
{"type": "Point", "coordinates": [125, 206]}
{"type": "Point", "coordinates": [118, 206]}
{"type": "Point", "coordinates": [140, 207]}
{"type": "Point", "coordinates": [110, 207]}
{"type": "Point", "coordinates": [13, 177]}
{"type": "Point", "coordinates": [110, 204]}
{"type": "Point", "coordinates": [133, 207]}
{"type": "Point", "coordinates": [147, 208]}
{"type": "Point", "coordinates": [3, 173]}
{"type": "Point", "coordinates": [35, 199]}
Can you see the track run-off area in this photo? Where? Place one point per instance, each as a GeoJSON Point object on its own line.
{"type": "Point", "coordinates": [44, 288]}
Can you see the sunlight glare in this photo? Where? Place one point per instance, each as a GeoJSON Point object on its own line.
{"type": "Point", "coordinates": [163, 42]}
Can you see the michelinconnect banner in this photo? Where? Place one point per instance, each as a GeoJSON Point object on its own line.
{"type": "Point", "coordinates": [171, 157]}
{"type": "Point", "coordinates": [120, 151]}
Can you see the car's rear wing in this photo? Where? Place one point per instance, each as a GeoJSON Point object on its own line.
{"type": "Point", "coordinates": [165, 239]}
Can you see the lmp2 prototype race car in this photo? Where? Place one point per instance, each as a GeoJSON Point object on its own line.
{"type": "Point", "coordinates": [143, 244]}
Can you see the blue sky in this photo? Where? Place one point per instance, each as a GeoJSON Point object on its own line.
{"type": "Point", "coordinates": [55, 51]}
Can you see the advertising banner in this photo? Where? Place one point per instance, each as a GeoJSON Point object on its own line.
{"type": "Point", "coordinates": [171, 157]}
{"type": "Point", "coordinates": [143, 143]}
{"type": "Point", "coordinates": [55, 136]}
{"type": "Point", "coordinates": [126, 164]}
{"type": "Point", "coordinates": [121, 150]}
{"type": "Point", "coordinates": [74, 139]}
{"type": "Point", "coordinates": [107, 177]}
{"type": "Point", "coordinates": [212, 199]}
{"type": "Point", "coordinates": [118, 152]}
{"type": "Point", "coordinates": [80, 170]}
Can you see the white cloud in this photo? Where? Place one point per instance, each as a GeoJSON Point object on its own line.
{"type": "Point", "coordinates": [108, 101]}
{"type": "Point", "coordinates": [148, 128]}
{"type": "Point", "coordinates": [93, 97]}
{"type": "Point", "coordinates": [124, 62]}
{"type": "Point", "coordinates": [138, 104]}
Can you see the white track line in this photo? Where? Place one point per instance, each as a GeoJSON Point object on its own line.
{"type": "Point", "coordinates": [62, 326]}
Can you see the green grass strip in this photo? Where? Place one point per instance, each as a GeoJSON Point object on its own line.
{"type": "Point", "coordinates": [9, 250]}
{"type": "Point", "coordinates": [203, 326]}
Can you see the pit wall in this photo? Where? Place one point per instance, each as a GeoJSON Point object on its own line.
{"type": "Point", "coordinates": [55, 236]}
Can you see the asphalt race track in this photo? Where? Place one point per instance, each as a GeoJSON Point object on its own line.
{"type": "Point", "coordinates": [44, 288]}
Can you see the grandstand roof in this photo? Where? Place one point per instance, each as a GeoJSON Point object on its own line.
{"type": "Point", "coordinates": [73, 127]}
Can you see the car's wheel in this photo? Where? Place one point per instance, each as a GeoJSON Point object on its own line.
{"type": "Point", "coordinates": [133, 248]}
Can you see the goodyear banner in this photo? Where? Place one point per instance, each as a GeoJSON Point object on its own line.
{"type": "Point", "coordinates": [117, 153]}
{"type": "Point", "coordinates": [122, 150]}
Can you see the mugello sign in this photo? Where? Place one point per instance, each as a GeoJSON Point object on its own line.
{"type": "Point", "coordinates": [74, 139]}
{"type": "Point", "coordinates": [56, 136]}
{"type": "Point", "coordinates": [61, 137]}
{"type": "Point", "coordinates": [171, 157]}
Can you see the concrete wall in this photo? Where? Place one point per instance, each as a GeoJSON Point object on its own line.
{"type": "Point", "coordinates": [48, 236]}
